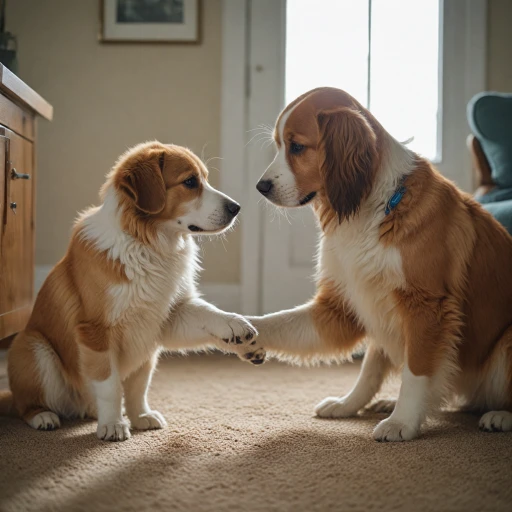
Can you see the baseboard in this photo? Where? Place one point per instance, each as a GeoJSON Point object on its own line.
{"type": "Point", "coordinates": [223, 295]}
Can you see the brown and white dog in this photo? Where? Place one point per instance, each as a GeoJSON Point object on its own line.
{"type": "Point", "coordinates": [124, 291]}
{"type": "Point", "coordinates": [406, 260]}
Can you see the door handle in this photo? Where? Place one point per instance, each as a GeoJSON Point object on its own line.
{"type": "Point", "coordinates": [15, 175]}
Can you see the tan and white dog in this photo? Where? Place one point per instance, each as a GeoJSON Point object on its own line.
{"type": "Point", "coordinates": [406, 260]}
{"type": "Point", "coordinates": [124, 291]}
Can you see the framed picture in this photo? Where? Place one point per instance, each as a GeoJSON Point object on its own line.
{"type": "Point", "coordinates": [150, 21]}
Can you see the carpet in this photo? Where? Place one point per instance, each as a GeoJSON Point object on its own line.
{"type": "Point", "coordinates": [243, 438]}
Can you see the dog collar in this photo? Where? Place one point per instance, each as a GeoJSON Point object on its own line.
{"type": "Point", "coordinates": [396, 197]}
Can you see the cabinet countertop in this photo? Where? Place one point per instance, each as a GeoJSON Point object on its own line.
{"type": "Point", "coordinates": [21, 93]}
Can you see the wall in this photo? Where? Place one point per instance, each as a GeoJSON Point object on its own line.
{"type": "Point", "coordinates": [499, 49]}
{"type": "Point", "coordinates": [108, 97]}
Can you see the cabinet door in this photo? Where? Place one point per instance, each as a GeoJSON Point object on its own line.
{"type": "Point", "coordinates": [17, 232]}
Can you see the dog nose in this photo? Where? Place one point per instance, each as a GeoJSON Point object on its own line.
{"type": "Point", "coordinates": [264, 186]}
{"type": "Point", "coordinates": [233, 208]}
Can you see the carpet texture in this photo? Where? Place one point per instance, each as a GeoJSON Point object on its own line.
{"type": "Point", "coordinates": [243, 438]}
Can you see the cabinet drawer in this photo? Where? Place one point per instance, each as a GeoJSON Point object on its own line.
{"type": "Point", "coordinates": [17, 231]}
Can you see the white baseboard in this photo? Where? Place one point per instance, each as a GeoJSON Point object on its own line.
{"type": "Point", "coordinates": [223, 295]}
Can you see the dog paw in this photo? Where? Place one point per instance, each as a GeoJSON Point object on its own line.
{"type": "Point", "coordinates": [45, 420]}
{"type": "Point", "coordinates": [335, 407]}
{"type": "Point", "coordinates": [151, 420]}
{"type": "Point", "coordinates": [118, 431]}
{"type": "Point", "coordinates": [256, 356]}
{"type": "Point", "coordinates": [390, 430]}
{"type": "Point", "coordinates": [382, 406]}
{"type": "Point", "coordinates": [496, 421]}
{"type": "Point", "coordinates": [236, 330]}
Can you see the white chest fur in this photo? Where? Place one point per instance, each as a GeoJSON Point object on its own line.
{"type": "Point", "coordinates": [154, 282]}
{"type": "Point", "coordinates": [157, 277]}
{"type": "Point", "coordinates": [366, 273]}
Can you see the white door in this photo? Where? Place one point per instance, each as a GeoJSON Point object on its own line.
{"type": "Point", "coordinates": [415, 77]}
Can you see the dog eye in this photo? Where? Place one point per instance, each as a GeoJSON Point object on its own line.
{"type": "Point", "coordinates": [191, 182]}
{"type": "Point", "coordinates": [295, 148]}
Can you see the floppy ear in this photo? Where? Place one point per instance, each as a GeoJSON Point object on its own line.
{"type": "Point", "coordinates": [144, 184]}
{"type": "Point", "coordinates": [348, 151]}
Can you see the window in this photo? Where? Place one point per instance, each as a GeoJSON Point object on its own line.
{"type": "Point", "coordinates": [385, 53]}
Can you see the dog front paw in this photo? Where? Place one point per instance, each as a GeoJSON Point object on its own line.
{"type": "Point", "coordinates": [496, 421]}
{"type": "Point", "coordinates": [390, 430]}
{"type": "Point", "coordinates": [45, 420]}
{"type": "Point", "coordinates": [151, 420]}
{"type": "Point", "coordinates": [117, 431]}
{"type": "Point", "coordinates": [256, 356]}
{"type": "Point", "coordinates": [334, 407]}
{"type": "Point", "coordinates": [235, 330]}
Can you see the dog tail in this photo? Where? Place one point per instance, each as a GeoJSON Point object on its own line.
{"type": "Point", "coordinates": [6, 403]}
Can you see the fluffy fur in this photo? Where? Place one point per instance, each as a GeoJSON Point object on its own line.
{"type": "Point", "coordinates": [428, 287]}
{"type": "Point", "coordinates": [124, 291]}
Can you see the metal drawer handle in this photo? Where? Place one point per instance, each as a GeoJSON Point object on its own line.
{"type": "Point", "coordinates": [19, 176]}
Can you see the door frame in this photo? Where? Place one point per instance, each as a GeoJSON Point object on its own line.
{"type": "Point", "coordinates": [235, 98]}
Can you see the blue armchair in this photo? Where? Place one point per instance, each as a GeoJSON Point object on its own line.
{"type": "Point", "coordinates": [490, 118]}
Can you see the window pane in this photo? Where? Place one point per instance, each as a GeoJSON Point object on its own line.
{"type": "Point", "coordinates": [326, 45]}
{"type": "Point", "coordinates": [404, 75]}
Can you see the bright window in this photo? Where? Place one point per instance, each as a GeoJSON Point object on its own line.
{"type": "Point", "coordinates": [383, 52]}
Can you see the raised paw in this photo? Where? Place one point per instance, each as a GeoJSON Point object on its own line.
{"type": "Point", "coordinates": [45, 420]}
{"type": "Point", "coordinates": [151, 420]}
{"type": "Point", "coordinates": [236, 330]}
{"type": "Point", "coordinates": [496, 421]}
{"type": "Point", "coordinates": [118, 431]}
{"type": "Point", "coordinates": [335, 407]}
{"type": "Point", "coordinates": [390, 430]}
{"type": "Point", "coordinates": [382, 406]}
{"type": "Point", "coordinates": [254, 356]}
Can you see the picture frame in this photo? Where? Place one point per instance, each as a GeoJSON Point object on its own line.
{"type": "Point", "coordinates": [150, 21]}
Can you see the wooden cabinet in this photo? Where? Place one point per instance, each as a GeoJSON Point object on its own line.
{"type": "Point", "coordinates": [19, 108]}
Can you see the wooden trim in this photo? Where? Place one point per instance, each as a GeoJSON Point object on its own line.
{"type": "Point", "coordinates": [18, 90]}
{"type": "Point", "coordinates": [198, 40]}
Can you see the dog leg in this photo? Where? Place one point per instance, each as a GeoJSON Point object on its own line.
{"type": "Point", "coordinates": [410, 410]}
{"type": "Point", "coordinates": [373, 372]}
{"type": "Point", "coordinates": [196, 323]}
{"type": "Point", "coordinates": [431, 334]}
{"type": "Point", "coordinates": [28, 376]}
{"type": "Point", "coordinates": [136, 387]}
{"type": "Point", "coordinates": [99, 368]}
{"type": "Point", "coordinates": [109, 394]}
{"type": "Point", "coordinates": [321, 329]}
{"type": "Point", "coordinates": [498, 386]}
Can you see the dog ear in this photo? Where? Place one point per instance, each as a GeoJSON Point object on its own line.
{"type": "Point", "coordinates": [144, 184]}
{"type": "Point", "coordinates": [348, 151]}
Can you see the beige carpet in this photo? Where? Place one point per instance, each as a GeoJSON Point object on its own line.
{"type": "Point", "coordinates": [243, 438]}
